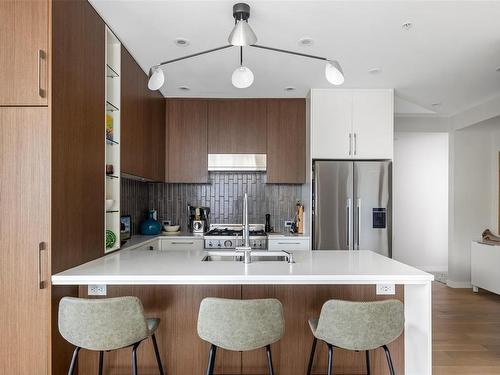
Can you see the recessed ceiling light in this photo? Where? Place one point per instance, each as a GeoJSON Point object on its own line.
{"type": "Point", "coordinates": [375, 71]}
{"type": "Point", "coordinates": [184, 88]}
{"type": "Point", "coordinates": [290, 88]}
{"type": "Point", "coordinates": [407, 25]}
{"type": "Point", "coordinates": [306, 42]}
{"type": "Point", "coordinates": [182, 42]}
{"type": "Point", "coordinates": [497, 69]}
{"type": "Point", "coordinates": [437, 104]}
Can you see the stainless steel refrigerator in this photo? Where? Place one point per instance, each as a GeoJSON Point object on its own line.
{"type": "Point", "coordinates": [352, 206]}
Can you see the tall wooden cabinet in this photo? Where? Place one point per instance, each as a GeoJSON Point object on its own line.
{"type": "Point", "coordinates": [187, 157]}
{"type": "Point", "coordinates": [25, 240]}
{"type": "Point", "coordinates": [24, 36]}
{"type": "Point", "coordinates": [142, 124]}
{"type": "Point", "coordinates": [286, 132]}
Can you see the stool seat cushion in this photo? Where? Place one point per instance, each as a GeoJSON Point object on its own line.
{"type": "Point", "coordinates": [240, 325]}
{"type": "Point", "coordinates": [104, 324]}
{"type": "Point", "coordinates": [359, 325]}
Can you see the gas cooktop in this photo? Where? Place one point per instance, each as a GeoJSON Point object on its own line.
{"type": "Point", "coordinates": [230, 236]}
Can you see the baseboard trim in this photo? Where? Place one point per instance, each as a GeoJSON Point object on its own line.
{"type": "Point", "coordinates": [459, 284]}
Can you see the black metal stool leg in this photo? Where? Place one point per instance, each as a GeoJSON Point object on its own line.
{"type": "Point", "coordinates": [330, 359]}
{"type": "Point", "coordinates": [367, 354]}
{"type": "Point", "coordinates": [389, 360]}
{"type": "Point", "coordinates": [211, 360]}
{"type": "Point", "coordinates": [73, 361]}
{"type": "Point", "coordinates": [157, 353]}
{"type": "Point", "coordinates": [134, 358]}
{"type": "Point", "coordinates": [101, 359]}
{"type": "Point", "coordinates": [311, 356]}
{"type": "Point", "coordinates": [269, 360]}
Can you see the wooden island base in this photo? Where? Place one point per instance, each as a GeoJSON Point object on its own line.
{"type": "Point", "coordinates": [184, 353]}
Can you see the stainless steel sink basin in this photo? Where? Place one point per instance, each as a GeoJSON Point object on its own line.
{"type": "Point", "coordinates": [257, 256]}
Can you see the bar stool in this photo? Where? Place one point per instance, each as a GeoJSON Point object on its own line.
{"type": "Point", "coordinates": [240, 325]}
{"type": "Point", "coordinates": [359, 326]}
{"type": "Point", "coordinates": [104, 325]}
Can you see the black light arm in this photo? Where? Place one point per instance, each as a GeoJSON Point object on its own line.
{"type": "Point", "coordinates": [289, 52]}
{"type": "Point", "coordinates": [193, 55]}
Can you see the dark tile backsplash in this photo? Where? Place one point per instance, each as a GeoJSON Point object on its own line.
{"type": "Point", "coordinates": [223, 194]}
{"type": "Point", "coordinates": [134, 201]}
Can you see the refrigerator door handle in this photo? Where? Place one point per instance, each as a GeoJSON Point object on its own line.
{"type": "Point", "coordinates": [359, 222]}
{"type": "Point", "coordinates": [350, 144]}
{"type": "Point", "coordinates": [348, 224]}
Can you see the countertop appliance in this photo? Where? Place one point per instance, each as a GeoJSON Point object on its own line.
{"type": "Point", "coordinates": [198, 221]}
{"type": "Point", "coordinates": [230, 236]}
{"type": "Point", "coordinates": [352, 206]}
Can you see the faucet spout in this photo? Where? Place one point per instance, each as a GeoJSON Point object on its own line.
{"type": "Point", "coordinates": [246, 248]}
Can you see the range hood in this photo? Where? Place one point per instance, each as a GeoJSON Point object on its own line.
{"type": "Point", "coordinates": [237, 162]}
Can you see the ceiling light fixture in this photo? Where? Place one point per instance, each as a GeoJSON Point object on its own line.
{"type": "Point", "coordinates": [184, 88]}
{"type": "Point", "coordinates": [375, 71]}
{"type": "Point", "coordinates": [241, 36]}
{"type": "Point", "coordinates": [407, 25]}
{"type": "Point", "coordinates": [290, 88]}
{"type": "Point", "coordinates": [307, 42]}
{"type": "Point", "coordinates": [181, 42]}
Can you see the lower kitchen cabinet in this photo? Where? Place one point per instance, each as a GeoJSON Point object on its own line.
{"type": "Point", "coordinates": [286, 132]}
{"type": "Point", "coordinates": [25, 240]}
{"type": "Point", "coordinates": [288, 244]}
{"type": "Point", "coordinates": [195, 243]}
{"type": "Point", "coordinates": [187, 156]}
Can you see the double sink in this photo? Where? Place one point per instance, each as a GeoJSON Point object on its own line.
{"type": "Point", "coordinates": [256, 256]}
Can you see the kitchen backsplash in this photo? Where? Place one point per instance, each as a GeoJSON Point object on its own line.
{"type": "Point", "coordinates": [134, 201]}
{"type": "Point", "coordinates": [223, 194]}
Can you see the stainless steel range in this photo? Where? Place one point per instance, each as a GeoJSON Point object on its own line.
{"type": "Point", "coordinates": [229, 236]}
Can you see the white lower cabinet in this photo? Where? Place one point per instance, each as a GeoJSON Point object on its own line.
{"type": "Point", "coordinates": [288, 244]}
{"type": "Point", "coordinates": [181, 243]}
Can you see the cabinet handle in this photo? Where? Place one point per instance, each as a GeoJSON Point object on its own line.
{"type": "Point", "coordinates": [355, 144]}
{"type": "Point", "coordinates": [41, 91]}
{"type": "Point", "coordinates": [41, 247]}
{"type": "Point", "coordinates": [350, 143]}
{"type": "Point", "coordinates": [183, 243]}
{"type": "Point", "coordinates": [288, 243]}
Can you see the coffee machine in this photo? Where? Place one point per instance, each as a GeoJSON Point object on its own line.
{"type": "Point", "coordinates": [198, 218]}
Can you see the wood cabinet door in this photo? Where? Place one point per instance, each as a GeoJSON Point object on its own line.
{"type": "Point", "coordinates": [237, 126]}
{"type": "Point", "coordinates": [157, 136]}
{"type": "Point", "coordinates": [25, 207]}
{"type": "Point", "coordinates": [24, 30]}
{"type": "Point", "coordinates": [286, 132]}
{"type": "Point", "coordinates": [131, 127]}
{"type": "Point", "coordinates": [187, 140]}
{"type": "Point", "coordinates": [331, 124]}
{"type": "Point", "coordinates": [373, 124]}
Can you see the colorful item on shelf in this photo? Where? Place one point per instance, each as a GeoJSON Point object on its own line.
{"type": "Point", "coordinates": [150, 226]}
{"type": "Point", "coordinates": [110, 239]}
{"type": "Point", "coordinates": [110, 169]}
{"type": "Point", "coordinates": [109, 127]}
{"type": "Point", "coordinates": [125, 227]}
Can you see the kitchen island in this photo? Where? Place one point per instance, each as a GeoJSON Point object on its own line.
{"type": "Point", "coordinates": [172, 283]}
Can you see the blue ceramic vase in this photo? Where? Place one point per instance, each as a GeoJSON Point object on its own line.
{"type": "Point", "coordinates": [150, 226]}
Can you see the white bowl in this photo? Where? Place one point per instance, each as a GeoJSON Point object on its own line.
{"type": "Point", "coordinates": [109, 204]}
{"type": "Point", "coordinates": [171, 228]}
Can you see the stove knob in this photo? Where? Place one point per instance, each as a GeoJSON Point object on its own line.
{"type": "Point", "coordinates": [218, 244]}
{"type": "Point", "coordinates": [228, 243]}
{"type": "Point", "coordinates": [210, 244]}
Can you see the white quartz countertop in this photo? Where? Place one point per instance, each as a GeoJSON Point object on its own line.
{"type": "Point", "coordinates": [181, 267]}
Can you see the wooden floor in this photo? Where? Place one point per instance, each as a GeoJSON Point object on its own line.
{"type": "Point", "coordinates": [466, 331]}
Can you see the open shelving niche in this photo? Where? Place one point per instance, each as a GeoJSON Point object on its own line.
{"type": "Point", "coordinates": [112, 141]}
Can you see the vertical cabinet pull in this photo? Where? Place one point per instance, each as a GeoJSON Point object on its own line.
{"type": "Point", "coordinates": [41, 91]}
{"type": "Point", "coordinates": [350, 143]}
{"type": "Point", "coordinates": [359, 222]}
{"type": "Point", "coordinates": [355, 144]}
{"type": "Point", "coordinates": [41, 247]}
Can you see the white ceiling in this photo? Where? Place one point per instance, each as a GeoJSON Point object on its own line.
{"type": "Point", "coordinates": [449, 56]}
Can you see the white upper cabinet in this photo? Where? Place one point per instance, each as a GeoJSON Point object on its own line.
{"type": "Point", "coordinates": [352, 124]}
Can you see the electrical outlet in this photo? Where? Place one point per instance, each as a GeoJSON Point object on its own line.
{"type": "Point", "coordinates": [385, 289]}
{"type": "Point", "coordinates": [166, 222]}
{"type": "Point", "coordinates": [288, 223]}
{"type": "Point", "coordinates": [97, 290]}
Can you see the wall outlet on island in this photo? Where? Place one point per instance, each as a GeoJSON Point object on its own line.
{"type": "Point", "coordinates": [288, 223]}
{"type": "Point", "coordinates": [385, 289]}
{"type": "Point", "coordinates": [97, 290]}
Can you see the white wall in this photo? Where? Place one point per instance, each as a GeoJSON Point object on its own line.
{"type": "Point", "coordinates": [421, 200]}
{"type": "Point", "coordinates": [474, 192]}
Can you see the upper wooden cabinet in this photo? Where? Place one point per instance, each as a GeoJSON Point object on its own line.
{"type": "Point", "coordinates": [142, 123]}
{"type": "Point", "coordinates": [286, 132]}
{"type": "Point", "coordinates": [187, 159]}
{"type": "Point", "coordinates": [237, 126]}
{"type": "Point", "coordinates": [352, 124]}
{"type": "Point", "coordinates": [24, 30]}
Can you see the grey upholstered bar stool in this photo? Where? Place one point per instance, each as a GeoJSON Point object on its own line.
{"type": "Point", "coordinates": [240, 325]}
{"type": "Point", "coordinates": [359, 326]}
{"type": "Point", "coordinates": [106, 324]}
